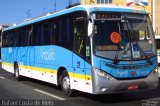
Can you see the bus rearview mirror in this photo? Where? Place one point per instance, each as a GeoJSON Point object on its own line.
{"type": "Point", "coordinates": [90, 29]}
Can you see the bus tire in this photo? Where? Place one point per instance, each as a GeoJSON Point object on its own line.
{"type": "Point", "coordinates": [16, 73]}
{"type": "Point", "coordinates": [65, 84]}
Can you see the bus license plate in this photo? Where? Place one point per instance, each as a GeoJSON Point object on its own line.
{"type": "Point", "coordinates": [132, 87]}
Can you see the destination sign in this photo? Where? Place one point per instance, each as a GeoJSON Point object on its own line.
{"type": "Point", "coordinates": [108, 16]}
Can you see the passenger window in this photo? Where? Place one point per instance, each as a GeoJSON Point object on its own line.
{"type": "Point", "coordinates": [46, 34]}
{"type": "Point", "coordinates": [79, 37]}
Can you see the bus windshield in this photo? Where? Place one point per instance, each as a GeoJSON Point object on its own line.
{"type": "Point", "coordinates": [123, 36]}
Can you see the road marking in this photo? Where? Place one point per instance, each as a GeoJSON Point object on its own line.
{"type": "Point", "coordinates": [46, 93]}
{"type": "Point", "coordinates": [2, 77]}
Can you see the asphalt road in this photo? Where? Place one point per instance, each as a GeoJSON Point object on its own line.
{"type": "Point", "coordinates": [32, 92]}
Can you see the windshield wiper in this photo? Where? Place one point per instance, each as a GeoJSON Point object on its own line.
{"type": "Point", "coordinates": [146, 57]}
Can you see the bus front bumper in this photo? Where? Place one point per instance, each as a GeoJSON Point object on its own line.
{"type": "Point", "coordinates": [109, 84]}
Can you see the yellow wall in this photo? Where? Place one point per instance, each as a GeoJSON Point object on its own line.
{"type": "Point", "coordinates": [121, 3]}
{"type": "Point", "coordinates": [146, 8]}
{"type": "Point", "coordinates": [88, 1]}
{"type": "Point", "coordinates": [157, 17]}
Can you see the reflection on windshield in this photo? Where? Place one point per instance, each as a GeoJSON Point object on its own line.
{"type": "Point", "coordinates": [158, 43]}
{"type": "Point", "coordinates": [131, 36]}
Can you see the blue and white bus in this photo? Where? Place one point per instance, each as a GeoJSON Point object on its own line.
{"type": "Point", "coordinates": [96, 49]}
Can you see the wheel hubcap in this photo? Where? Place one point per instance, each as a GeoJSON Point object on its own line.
{"type": "Point", "coordinates": [66, 84]}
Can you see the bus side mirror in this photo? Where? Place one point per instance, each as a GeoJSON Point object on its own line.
{"type": "Point", "coordinates": [90, 29]}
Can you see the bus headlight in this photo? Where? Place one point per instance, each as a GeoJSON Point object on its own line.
{"type": "Point", "coordinates": [155, 71]}
{"type": "Point", "coordinates": [102, 74]}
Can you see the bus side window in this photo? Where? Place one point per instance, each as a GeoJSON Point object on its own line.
{"type": "Point", "coordinates": [56, 31]}
{"type": "Point", "coordinates": [30, 33]}
{"type": "Point", "coordinates": [51, 33]}
{"type": "Point", "coordinates": [15, 38]}
{"type": "Point", "coordinates": [26, 36]}
{"type": "Point", "coordinates": [35, 36]}
{"type": "Point", "coordinates": [68, 30]}
{"type": "Point", "coordinates": [64, 35]}
{"type": "Point", "coordinates": [7, 40]}
{"type": "Point", "coordinates": [60, 32]}
{"type": "Point", "coordinates": [41, 35]}
{"type": "Point", "coordinates": [12, 37]}
{"type": "Point", "coordinates": [46, 34]}
{"type": "Point", "coordinates": [69, 34]}
{"type": "Point", "coordinates": [21, 35]}
{"type": "Point", "coordinates": [4, 39]}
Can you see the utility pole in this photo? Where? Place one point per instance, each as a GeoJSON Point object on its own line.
{"type": "Point", "coordinates": [70, 2]}
{"type": "Point", "coordinates": [28, 14]}
{"type": "Point", "coordinates": [55, 3]}
{"type": "Point", "coordinates": [44, 10]}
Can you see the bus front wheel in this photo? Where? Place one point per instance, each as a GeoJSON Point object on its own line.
{"type": "Point", "coordinates": [65, 84]}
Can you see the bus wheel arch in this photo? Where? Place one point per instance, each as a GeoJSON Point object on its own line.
{"type": "Point", "coordinates": [64, 81]}
{"type": "Point", "coordinates": [59, 75]}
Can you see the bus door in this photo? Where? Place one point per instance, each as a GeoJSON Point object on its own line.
{"type": "Point", "coordinates": [79, 54]}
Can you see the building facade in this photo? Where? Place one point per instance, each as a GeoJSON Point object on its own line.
{"type": "Point", "coordinates": [151, 6]}
{"type": "Point", "coordinates": [157, 16]}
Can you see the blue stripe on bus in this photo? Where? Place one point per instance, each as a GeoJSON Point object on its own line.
{"type": "Point", "coordinates": [48, 57]}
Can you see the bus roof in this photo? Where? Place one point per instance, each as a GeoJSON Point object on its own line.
{"type": "Point", "coordinates": [87, 8]}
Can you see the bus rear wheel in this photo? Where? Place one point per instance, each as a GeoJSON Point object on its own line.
{"type": "Point", "coordinates": [65, 84]}
{"type": "Point", "coordinates": [16, 73]}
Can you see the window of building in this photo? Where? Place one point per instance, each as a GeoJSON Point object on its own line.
{"type": "Point", "coordinates": [104, 1]}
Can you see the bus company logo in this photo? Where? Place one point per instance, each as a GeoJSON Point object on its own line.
{"type": "Point", "coordinates": [132, 73]}
{"type": "Point", "coordinates": [47, 55]}
{"type": "Point", "coordinates": [122, 73]}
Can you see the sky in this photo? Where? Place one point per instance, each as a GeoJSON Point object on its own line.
{"type": "Point", "coordinates": [17, 11]}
